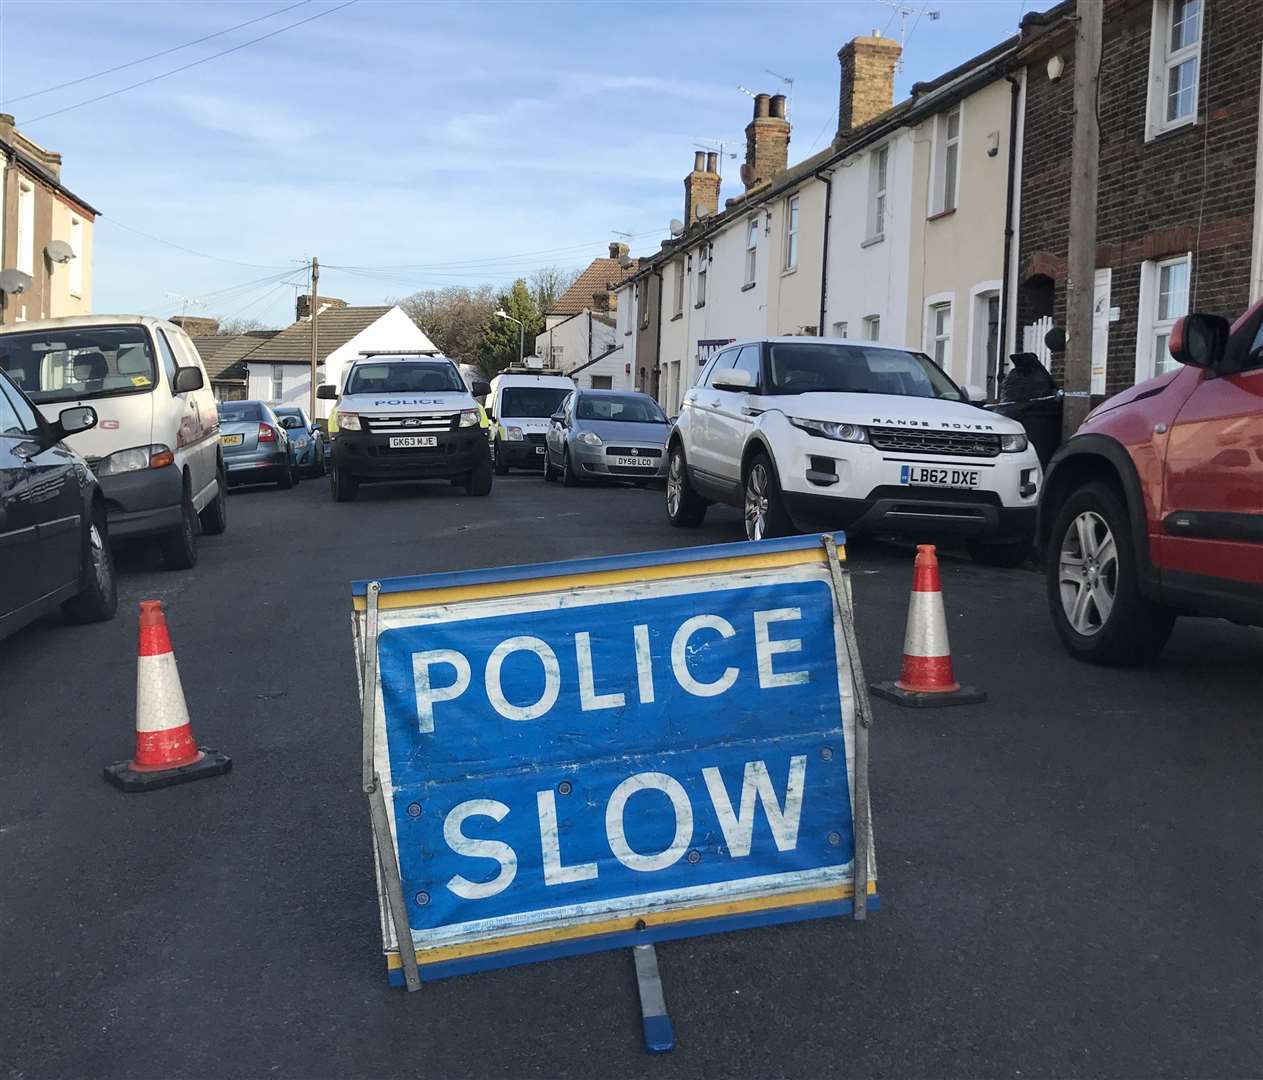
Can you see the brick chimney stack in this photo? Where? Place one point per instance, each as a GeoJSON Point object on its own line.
{"type": "Point", "coordinates": [767, 141]}
{"type": "Point", "coordinates": [617, 251]}
{"type": "Point", "coordinates": [868, 80]}
{"type": "Point", "coordinates": [701, 187]}
{"type": "Point", "coordinates": [302, 305]}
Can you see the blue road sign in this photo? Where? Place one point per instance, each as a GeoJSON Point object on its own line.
{"type": "Point", "coordinates": [578, 756]}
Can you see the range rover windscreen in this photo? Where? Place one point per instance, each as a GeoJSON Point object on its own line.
{"type": "Point", "coordinates": [854, 369]}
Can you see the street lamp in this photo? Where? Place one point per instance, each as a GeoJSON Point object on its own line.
{"type": "Point", "coordinates": [521, 333]}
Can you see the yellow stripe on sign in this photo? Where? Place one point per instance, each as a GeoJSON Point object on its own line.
{"type": "Point", "coordinates": [552, 936]}
{"type": "Point", "coordinates": [452, 594]}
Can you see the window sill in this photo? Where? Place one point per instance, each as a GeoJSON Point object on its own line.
{"type": "Point", "coordinates": [789, 270]}
{"type": "Point", "coordinates": [627, 333]}
{"type": "Point", "coordinates": [941, 214]}
{"type": "Point", "coordinates": [1168, 131]}
{"type": "Point", "coordinates": [873, 240]}
{"type": "Point", "coordinates": [748, 286]}
{"type": "Point", "coordinates": [677, 315]}
{"type": "Point", "coordinates": [699, 304]}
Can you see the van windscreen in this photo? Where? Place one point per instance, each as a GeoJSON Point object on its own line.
{"type": "Point", "coordinates": [80, 362]}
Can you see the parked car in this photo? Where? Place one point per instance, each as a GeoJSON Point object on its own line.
{"type": "Point", "coordinates": [406, 416]}
{"type": "Point", "coordinates": [305, 437]}
{"type": "Point", "coordinates": [836, 432]}
{"type": "Point", "coordinates": [520, 404]}
{"type": "Point", "coordinates": [257, 447]}
{"type": "Point", "coordinates": [606, 435]}
{"type": "Point", "coordinates": [155, 449]}
{"type": "Point", "coordinates": [54, 549]}
{"type": "Point", "coordinates": [1154, 508]}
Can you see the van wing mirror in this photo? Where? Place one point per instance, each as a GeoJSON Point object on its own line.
{"type": "Point", "coordinates": [188, 378]}
{"type": "Point", "coordinates": [327, 392]}
{"type": "Point", "coordinates": [1199, 340]}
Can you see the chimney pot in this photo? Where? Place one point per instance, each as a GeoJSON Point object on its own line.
{"type": "Point", "coordinates": [767, 141]}
{"type": "Point", "coordinates": [761, 105]}
{"type": "Point", "coordinates": [712, 162]}
{"type": "Point", "coordinates": [699, 161]}
{"type": "Point", "coordinates": [778, 106]}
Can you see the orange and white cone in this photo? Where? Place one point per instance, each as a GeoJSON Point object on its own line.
{"type": "Point", "coordinates": [927, 677]}
{"type": "Point", "coordinates": [166, 752]}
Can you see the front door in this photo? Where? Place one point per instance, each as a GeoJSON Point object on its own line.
{"type": "Point", "coordinates": [1212, 506]}
{"type": "Point", "coordinates": [702, 401]}
{"type": "Point", "coordinates": [731, 419]}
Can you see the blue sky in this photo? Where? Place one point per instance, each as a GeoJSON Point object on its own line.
{"type": "Point", "coordinates": [436, 140]}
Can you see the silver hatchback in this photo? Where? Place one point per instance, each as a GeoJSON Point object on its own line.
{"type": "Point", "coordinates": [606, 435]}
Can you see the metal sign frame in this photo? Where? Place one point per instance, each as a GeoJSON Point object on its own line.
{"type": "Point", "coordinates": [442, 593]}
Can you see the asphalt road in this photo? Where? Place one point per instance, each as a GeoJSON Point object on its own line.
{"type": "Point", "coordinates": [1070, 874]}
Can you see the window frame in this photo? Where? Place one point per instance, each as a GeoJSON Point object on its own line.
{"type": "Point", "coordinates": [75, 269]}
{"type": "Point", "coordinates": [1149, 327]}
{"type": "Point", "coordinates": [793, 214]}
{"type": "Point", "coordinates": [944, 142]}
{"type": "Point", "coordinates": [24, 258]}
{"type": "Point", "coordinates": [939, 319]}
{"type": "Point", "coordinates": [703, 267]}
{"type": "Point", "coordinates": [278, 376]}
{"type": "Point", "coordinates": [878, 191]}
{"type": "Point", "coordinates": [677, 295]}
{"type": "Point", "coordinates": [872, 328]}
{"type": "Point", "coordinates": [1163, 60]}
{"type": "Point", "coordinates": [752, 250]}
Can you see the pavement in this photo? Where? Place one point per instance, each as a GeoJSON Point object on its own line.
{"type": "Point", "coordinates": [1070, 874]}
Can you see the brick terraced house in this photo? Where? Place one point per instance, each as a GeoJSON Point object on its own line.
{"type": "Point", "coordinates": [1178, 223]}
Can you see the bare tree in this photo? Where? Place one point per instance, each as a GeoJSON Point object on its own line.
{"type": "Point", "coordinates": [453, 318]}
{"type": "Point", "coordinates": [233, 327]}
{"type": "Point", "coordinates": [547, 285]}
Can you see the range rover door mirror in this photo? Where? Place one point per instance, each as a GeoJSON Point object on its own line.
{"type": "Point", "coordinates": [327, 392]}
{"type": "Point", "coordinates": [187, 379]}
{"type": "Point", "coordinates": [736, 379]}
{"type": "Point", "coordinates": [976, 395]}
{"type": "Point", "coordinates": [1199, 340]}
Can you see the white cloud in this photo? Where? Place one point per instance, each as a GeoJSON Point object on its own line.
{"type": "Point", "coordinates": [263, 122]}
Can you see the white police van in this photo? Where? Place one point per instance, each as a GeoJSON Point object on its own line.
{"type": "Point", "coordinates": [868, 437]}
{"type": "Point", "coordinates": [405, 416]}
{"type": "Point", "coordinates": [520, 404]}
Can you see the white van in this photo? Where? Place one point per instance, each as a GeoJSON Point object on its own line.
{"type": "Point", "coordinates": [520, 404]}
{"type": "Point", "coordinates": [155, 450]}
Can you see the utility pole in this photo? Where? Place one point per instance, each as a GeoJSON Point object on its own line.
{"type": "Point", "coordinates": [1084, 170]}
{"type": "Point", "coordinates": [313, 312]}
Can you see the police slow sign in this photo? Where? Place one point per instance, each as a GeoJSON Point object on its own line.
{"type": "Point", "coordinates": [577, 756]}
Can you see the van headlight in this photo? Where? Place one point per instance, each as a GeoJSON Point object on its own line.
{"type": "Point", "coordinates": [469, 418]}
{"type": "Point", "coordinates": [590, 438]}
{"type": "Point", "coordinates": [1013, 444]}
{"type": "Point", "coordinates": [133, 459]}
{"type": "Point", "coordinates": [349, 421]}
{"type": "Point", "coordinates": [827, 429]}
{"type": "Point", "coordinates": [513, 434]}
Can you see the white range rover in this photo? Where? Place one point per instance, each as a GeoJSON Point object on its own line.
{"type": "Point", "coordinates": [838, 433]}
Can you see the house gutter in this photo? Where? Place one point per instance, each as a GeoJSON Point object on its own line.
{"type": "Point", "coordinates": [825, 176]}
{"type": "Point", "coordinates": [1015, 89]}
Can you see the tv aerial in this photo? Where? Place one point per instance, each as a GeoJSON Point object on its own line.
{"type": "Point", "coordinates": [906, 12]}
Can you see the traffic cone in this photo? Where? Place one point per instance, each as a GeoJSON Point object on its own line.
{"type": "Point", "coordinates": [165, 753]}
{"type": "Point", "coordinates": [927, 679]}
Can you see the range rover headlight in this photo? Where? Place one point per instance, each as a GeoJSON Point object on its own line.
{"type": "Point", "coordinates": [1013, 444]}
{"type": "Point", "coordinates": [827, 429]}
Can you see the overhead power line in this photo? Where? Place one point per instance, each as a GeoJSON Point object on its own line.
{"type": "Point", "coordinates": [154, 56]}
{"type": "Point", "coordinates": [188, 250]}
{"type": "Point", "coordinates": [186, 67]}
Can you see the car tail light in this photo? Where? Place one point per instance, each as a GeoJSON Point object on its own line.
{"type": "Point", "coordinates": [266, 433]}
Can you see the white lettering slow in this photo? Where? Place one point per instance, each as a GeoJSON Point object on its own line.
{"type": "Point", "coordinates": [479, 849]}
{"type": "Point", "coordinates": [617, 837]}
{"type": "Point", "coordinates": [738, 828]}
{"type": "Point", "coordinates": [550, 844]}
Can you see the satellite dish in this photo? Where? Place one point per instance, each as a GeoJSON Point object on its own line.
{"type": "Point", "coordinates": [59, 251]}
{"type": "Point", "coordinates": [677, 226]}
{"type": "Point", "coordinates": [14, 281]}
{"type": "Point", "coordinates": [625, 261]}
{"type": "Point", "coordinates": [703, 212]}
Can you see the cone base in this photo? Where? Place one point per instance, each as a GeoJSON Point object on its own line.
{"type": "Point", "coordinates": [126, 778]}
{"type": "Point", "coordinates": [912, 699]}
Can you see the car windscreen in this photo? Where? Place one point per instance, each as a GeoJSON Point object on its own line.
{"type": "Point", "coordinates": [83, 362]}
{"type": "Point", "coordinates": [628, 408]}
{"type": "Point", "coordinates": [854, 369]}
{"type": "Point", "coordinates": [532, 400]}
{"type": "Point", "coordinates": [421, 377]}
{"type": "Point", "coordinates": [245, 411]}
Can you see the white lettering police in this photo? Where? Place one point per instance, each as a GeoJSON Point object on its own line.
{"type": "Point", "coordinates": [773, 667]}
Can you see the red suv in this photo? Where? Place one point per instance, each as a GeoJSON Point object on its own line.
{"type": "Point", "coordinates": [1154, 508]}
